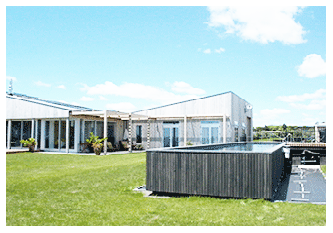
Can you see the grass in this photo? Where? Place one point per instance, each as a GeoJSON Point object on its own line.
{"type": "Point", "coordinates": [44, 189]}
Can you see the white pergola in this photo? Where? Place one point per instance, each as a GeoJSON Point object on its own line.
{"type": "Point", "coordinates": [112, 115]}
{"type": "Point", "coordinates": [132, 116]}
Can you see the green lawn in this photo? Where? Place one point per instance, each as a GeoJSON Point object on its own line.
{"type": "Point", "coordinates": [44, 189]}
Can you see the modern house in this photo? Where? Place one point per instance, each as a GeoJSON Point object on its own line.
{"type": "Point", "coordinates": [219, 118]}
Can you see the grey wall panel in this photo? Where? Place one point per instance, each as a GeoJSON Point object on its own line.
{"type": "Point", "coordinates": [242, 175]}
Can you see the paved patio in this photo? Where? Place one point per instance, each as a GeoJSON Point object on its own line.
{"type": "Point", "coordinates": [305, 184]}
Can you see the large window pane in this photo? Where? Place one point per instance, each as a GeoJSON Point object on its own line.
{"type": "Point", "coordinates": [170, 133]}
{"type": "Point", "coordinates": [138, 134]}
{"type": "Point", "coordinates": [56, 134]}
{"type": "Point", "coordinates": [39, 130]}
{"type": "Point", "coordinates": [47, 134]}
{"type": "Point", "coordinates": [205, 135]}
{"type": "Point", "coordinates": [16, 134]}
{"type": "Point", "coordinates": [100, 129]}
{"type": "Point", "coordinates": [63, 134]}
{"type": "Point", "coordinates": [210, 132]}
{"type": "Point", "coordinates": [71, 134]}
{"type": "Point", "coordinates": [26, 130]}
{"type": "Point", "coordinates": [111, 132]}
{"type": "Point", "coordinates": [214, 134]}
{"type": "Point", "coordinates": [89, 126]}
{"type": "Point", "coordinates": [175, 137]}
{"type": "Point", "coordinates": [166, 137]}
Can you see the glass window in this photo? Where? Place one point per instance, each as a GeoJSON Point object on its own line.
{"type": "Point", "coordinates": [100, 129]}
{"type": "Point", "coordinates": [139, 134]}
{"type": "Point", "coordinates": [166, 137]}
{"type": "Point", "coordinates": [63, 134]}
{"type": "Point", "coordinates": [26, 130]}
{"type": "Point", "coordinates": [175, 138]}
{"type": "Point", "coordinates": [171, 134]}
{"type": "Point", "coordinates": [47, 134]}
{"type": "Point", "coordinates": [6, 133]}
{"type": "Point", "coordinates": [111, 132]}
{"type": "Point", "coordinates": [16, 133]}
{"type": "Point", "coordinates": [214, 134]}
{"type": "Point", "coordinates": [210, 131]}
{"type": "Point", "coordinates": [89, 126]}
{"type": "Point", "coordinates": [205, 135]}
{"type": "Point", "coordinates": [56, 135]}
{"type": "Point", "coordinates": [71, 134]}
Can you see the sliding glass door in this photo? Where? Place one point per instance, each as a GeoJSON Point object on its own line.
{"type": "Point", "coordinates": [171, 134]}
{"type": "Point", "coordinates": [210, 131]}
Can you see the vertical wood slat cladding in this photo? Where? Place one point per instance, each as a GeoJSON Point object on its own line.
{"type": "Point", "coordinates": [239, 175]}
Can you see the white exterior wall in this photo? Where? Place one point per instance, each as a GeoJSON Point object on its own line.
{"type": "Point", "coordinates": [20, 109]}
{"type": "Point", "coordinates": [239, 115]}
{"type": "Point", "coordinates": [219, 104]}
{"type": "Point", "coordinates": [227, 104]}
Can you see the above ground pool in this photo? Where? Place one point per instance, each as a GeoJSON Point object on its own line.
{"type": "Point", "coordinates": [237, 170]}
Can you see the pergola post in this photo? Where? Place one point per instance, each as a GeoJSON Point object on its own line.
{"type": "Point", "coordinates": [42, 135]}
{"type": "Point", "coordinates": [130, 132]}
{"type": "Point", "coordinates": [67, 135]}
{"type": "Point", "coordinates": [32, 128]}
{"type": "Point", "coordinates": [105, 131]}
{"type": "Point", "coordinates": [9, 135]}
{"type": "Point", "coordinates": [59, 135]}
{"type": "Point", "coordinates": [22, 133]}
{"type": "Point", "coordinates": [36, 135]}
{"type": "Point", "coordinates": [185, 128]}
{"type": "Point", "coordinates": [148, 133]}
{"type": "Point", "coordinates": [224, 128]}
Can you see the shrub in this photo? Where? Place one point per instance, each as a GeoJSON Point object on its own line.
{"type": "Point", "coordinates": [31, 142]}
{"type": "Point", "coordinates": [96, 143]}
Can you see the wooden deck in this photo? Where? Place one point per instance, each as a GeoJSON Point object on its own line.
{"type": "Point", "coordinates": [298, 144]}
{"type": "Point", "coordinates": [13, 151]}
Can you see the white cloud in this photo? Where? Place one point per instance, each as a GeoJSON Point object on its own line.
{"type": "Point", "coordinates": [137, 91]}
{"type": "Point", "coordinates": [183, 87]}
{"type": "Point", "coordinates": [102, 98]}
{"type": "Point", "coordinates": [61, 87]}
{"type": "Point", "coordinates": [270, 117]}
{"type": "Point", "coordinates": [86, 99]}
{"type": "Point", "coordinates": [41, 84]}
{"type": "Point", "coordinates": [11, 78]}
{"type": "Point", "coordinates": [220, 50]}
{"type": "Point", "coordinates": [259, 24]}
{"type": "Point", "coordinates": [313, 66]}
{"type": "Point", "coordinates": [314, 101]}
{"type": "Point", "coordinates": [122, 107]}
{"type": "Point", "coordinates": [273, 113]}
{"type": "Point", "coordinates": [75, 103]}
{"type": "Point", "coordinates": [319, 94]}
{"type": "Point", "coordinates": [207, 51]}
{"type": "Point", "coordinates": [313, 105]}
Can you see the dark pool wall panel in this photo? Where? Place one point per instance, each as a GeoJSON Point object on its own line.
{"type": "Point", "coordinates": [253, 175]}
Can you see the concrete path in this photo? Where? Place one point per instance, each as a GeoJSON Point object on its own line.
{"type": "Point", "coordinates": [303, 185]}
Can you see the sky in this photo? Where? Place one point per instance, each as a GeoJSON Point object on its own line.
{"type": "Point", "coordinates": [135, 58]}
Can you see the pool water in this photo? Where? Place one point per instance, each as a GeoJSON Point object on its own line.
{"type": "Point", "coordinates": [247, 147]}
